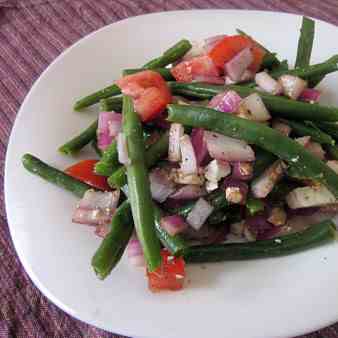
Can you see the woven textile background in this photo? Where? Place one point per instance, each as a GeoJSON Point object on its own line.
{"type": "Point", "coordinates": [32, 34]}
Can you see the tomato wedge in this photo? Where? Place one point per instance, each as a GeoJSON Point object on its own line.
{"type": "Point", "coordinates": [149, 91]}
{"type": "Point", "coordinates": [170, 275]}
{"type": "Point", "coordinates": [229, 46]}
{"type": "Point", "coordinates": [195, 69]}
{"type": "Point", "coordinates": [84, 171]}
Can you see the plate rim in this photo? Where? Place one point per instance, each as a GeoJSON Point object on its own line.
{"type": "Point", "coordinates": [25, 264]}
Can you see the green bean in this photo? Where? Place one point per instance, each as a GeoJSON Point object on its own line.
{"type": "Point", "coordinates": [278, 106]}
{"type": "Point", "coordinates": [154, 153]}
{"type": "Point", "coordinates": [254, 205]}
{"type": "Point", "coordinates": [164, 72]}
{"type": "Point", "coordinates": [53, 175]}
{"type": "Point", "coordinates": [78, 142]}
{"type": "Point", "coordinates": [96, 148]}
{"type": "Point", "coordinates": [270, 60]}
{"type": "Point", "coordinates": [305, 43]}
{"type": "Point", "coordinates": [330, 128]}
{"type": "Point", "coordinates": [139, 186]}
{"type": "Point", "coordinates": [217, 217]}
{"type": "Point", "coordinates": [256, 133]}
{"type": "Point", "coordinates": [169, 56]}
{"type": "Point", "coordinates": [315, 235]}
{"type": "Point", "coordinates": [309, 129]}
{"type": "Point", "coordinates": [111, 104]}
{"type": "Point", "coordinates": [109, 161]}
{"type": "Point", "coordinates": [310, 73]}
{"type": "Point", "coordinates": [175, 244]}
{"type": "Point", "coordinates": [113, 245]}
{"type": "Point", "coordinates": [263, 160]}
{"type": "Point", "coordinates": [332, 151]}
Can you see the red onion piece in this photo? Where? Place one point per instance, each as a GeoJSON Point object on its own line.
{"type": "Point", "coordinates": [189, 162]}
{"type": "Point", "coordinates": [306, 197]}
{"type": "Point", "coordinates": [122, 149]}
{"type": "Point", "coordinates": [160, 185]}
{"type": "Point", "coordinates": [236, 67]}
{"type": "Point", "coordinates": [292, 85]}
{"type": "Point", "coordinates": [96, 207]}
{"type": "Point", "coordinates": [199, 144]}
{"type": "Point", "coordinates": [277, 216]}
{"type": "Point", "coordinates": [227, 102]}
{"type": "Point", "coordinates": [248, 75]}
{"type": "Point", "coordinates": [270, 233]}
{"type": "Point", "coordinates": [188, 192]}
{"type": "Point", "coordinates": [135, 252]}
{"type": "Point", "coordinates": [236, 191]}
{"type": "Point", "coordinates": [199, 213]}
{"type": "Point", "coordinates": [302, 212]}
{"type": "Point", "coordinates": [304, 141]}
{"type": "Point", "coordinates": [161, 121]}
{"type": "Point", "coordinates": [268, 83]}
{"type": "Point", "coordinates": [108, 127]}
{"type": "Point", "coordinates": [242, 170]}
{"type": "Point", "coordinates": [225, 148]}
{"type": "Point", "coordinates": [216, 170]}
{"type": "Point", "coordinates": [102, 230]}
{"type": "Point", "coordinates": [316, 149]}
{"type": "Point", "coordinates": [256, 108]}
{"type": "Point", "coordinates": [175, 134]}
{"type": "Point", "coordinates": [173, 224]}
{"type": "Point", "coordinates": [264, 184]}
{"type": "Point", "coordinates": [283, 128]}
{"type": "Point", "coordinates": [258, 226]}
{"type": "Point", "coordinates": [310, 95]}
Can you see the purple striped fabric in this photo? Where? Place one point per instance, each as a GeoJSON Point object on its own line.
{"type": "Point", "coordinates": [32, 34]}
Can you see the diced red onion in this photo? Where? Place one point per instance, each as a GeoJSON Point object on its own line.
{"type": "Point", "coordinates": [227, 102]}
{"type": "Point", "coordinates": [160, 185]}
{"type": "Point", "coordinates": [209, 79]}
{"type": "Point", "coordinates": [292, 85]}
{"type": "Point", "coordinates": [236, 191]}
{"type": "Point", "coordinates": [102, 230]}
{"type": "Point", "coordinates": [108, 127]}
{"type": "Point", "coordinates": [173, 224]}
{"type": "Point", "coordinates": [161, 121]}
{"type": "Point", "coordinates": [175, 134]}
{"type": "Point", "coordinates": [181, 178]}
{"type": "Point", "coordinates": [199, 144]}
{"type": "Point", "coordinates": [248, 75]}
{"type": "Point", "coordinates": [122, 149]}
{"type": "Point", "coordinates": [268, 83]}
{"type": "Point", "coordinates": [333, 165]}
{"type": "Point", "coordinates": [189, 162]}
{"type": "Point", "coordinates": [310, 95]}
{"type": "Point", "coordinates": [304, 141]}
{"type": "Point", "coordinates": [283, 128]}
{"type": "Point", "coordinates": [188, 192]}
{"type": "Point", "coordinates": [264, 184]}
{"type": "Point", "coordinates": [305, 197]}
{"type": "Point", "coordinates": [237, 228]}
{"type": "Point", "coordinates": [225, 148]}
{"type": "Point", "coordinates": [277, 216]}
{"type": "Point", "coordinates": [96, 207]}
{"type": "Point", "coordinates": [256, 108]}
{"type": "Point", "coordinates": [258, 224]}
{"type": "Point", "coordinates": [199, 213]}
{"type": "Point", "coordinates": [302, 211]}
{"type": "Point", "coordinates": [270, 233]}
{"type": "Point", "coordinates": [242, 170]}
{"type": "Point", "coordinates": [316, 149]}
{"type": "Point", "coordinates": [135, 252]}
{"type": "Point", "coordinates": [238, 64]}
{"type": "Point", "coordinates": [216, 170]}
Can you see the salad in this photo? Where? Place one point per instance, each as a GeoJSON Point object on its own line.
{"type": "Point", "coordinates": [216, 150]}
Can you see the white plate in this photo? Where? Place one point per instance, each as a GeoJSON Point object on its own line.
{"type": "Point", "coordinates": [278, 297]}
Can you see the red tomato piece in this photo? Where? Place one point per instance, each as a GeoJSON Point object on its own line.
{"type": "Point", "coordinates": [84, 171]}
{"type": "Point", "coordinates": [149, 91]}
{"type": "Point", "coordinates": [228, 47]}
{"type": "Point", "coordinates": [170, 275]}
{"type": "Point", "coordinates": [199, 66]}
